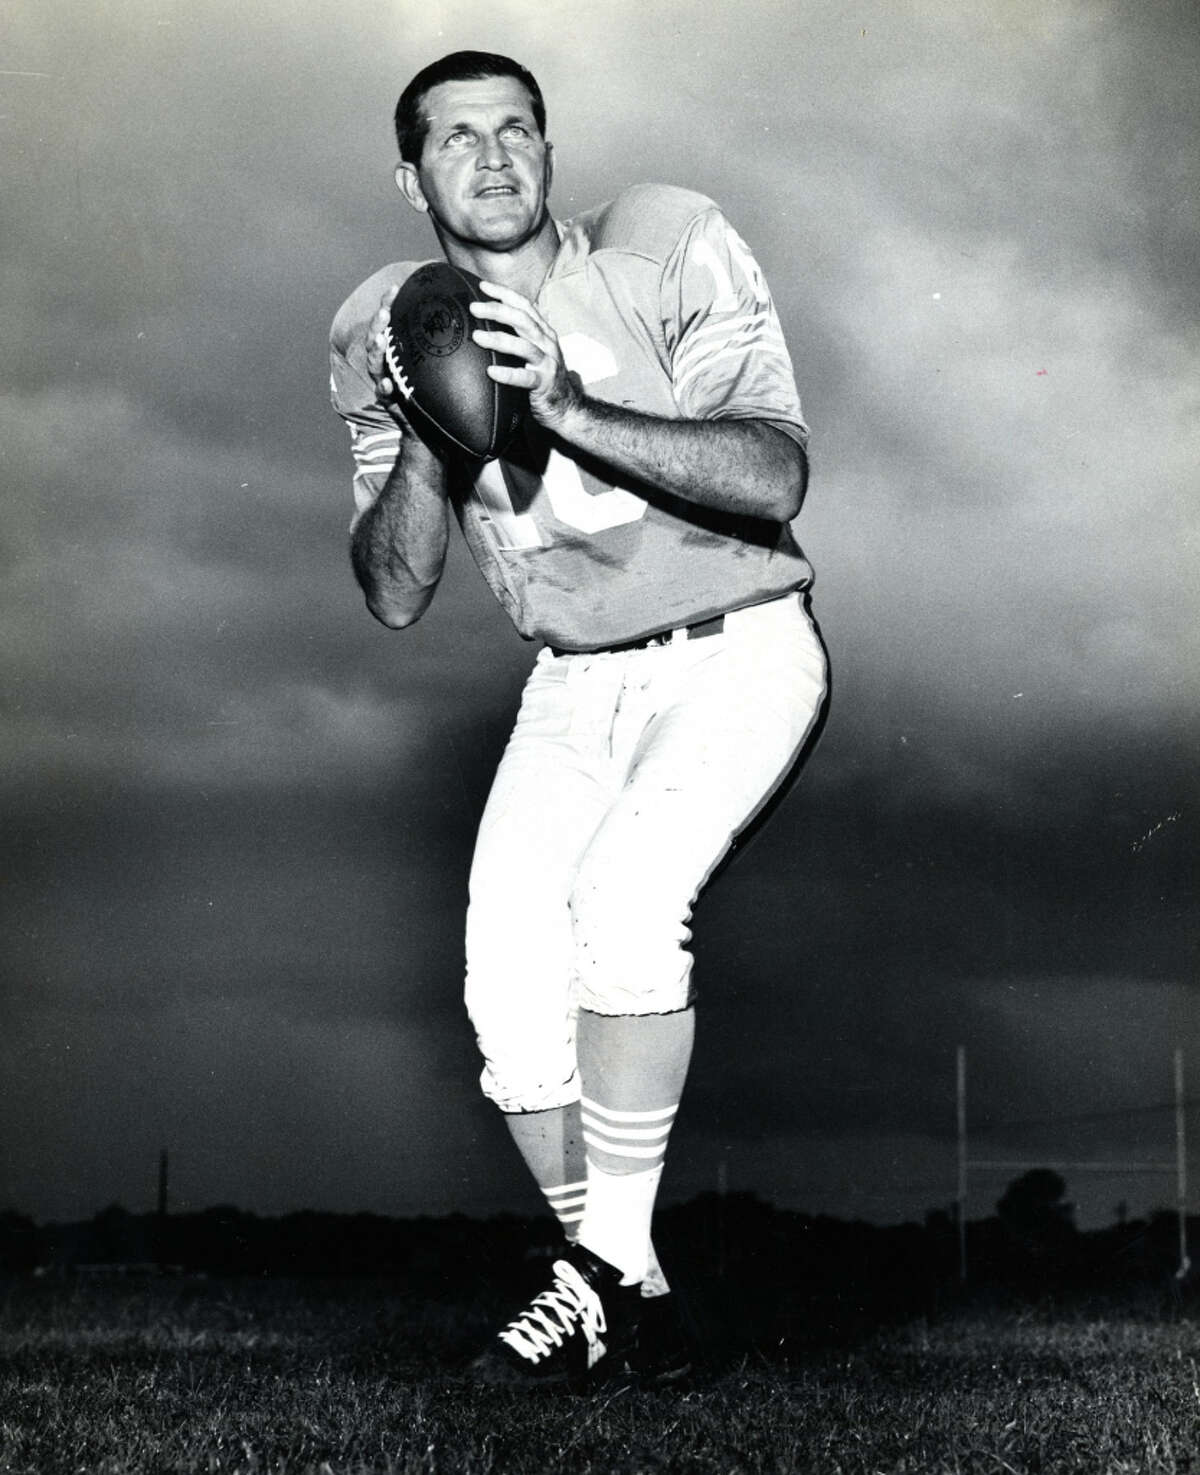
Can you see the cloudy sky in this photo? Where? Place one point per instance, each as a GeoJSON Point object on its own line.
{"type": "Point", "coordinates": [237, 814]}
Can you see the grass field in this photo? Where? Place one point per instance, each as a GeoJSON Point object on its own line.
{"type": "Point", "coordinates": [352, 1377]}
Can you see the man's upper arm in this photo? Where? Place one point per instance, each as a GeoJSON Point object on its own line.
{"type": "Point", "coordinates": [728, 357]}
{"type": "Point", "coordinates": [374, 434]}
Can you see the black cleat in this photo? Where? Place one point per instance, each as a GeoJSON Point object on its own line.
{"type": "Point", "coordinates": [662, 1354]}
{"type": "Point", "coordinates": [577, 1331]}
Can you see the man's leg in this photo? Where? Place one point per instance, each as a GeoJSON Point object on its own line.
{"type": "Point", "coordinates": [551, 1144]}
{"type": "Point", "coordinates": [633, 1069]}
{"type": "Point", "coordinates": [711, 732]}
{"type": "Point", "coordinates": [701, 739]}
{"type": "Point", "coordinates": [553, 785]}
{"type": "Point", "coordinates": [545, 803]}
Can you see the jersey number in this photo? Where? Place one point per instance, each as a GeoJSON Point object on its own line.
{"type": "Point", "coordinates": [726, 298]}
{"type": "Point", "coordinates": [570, 501]}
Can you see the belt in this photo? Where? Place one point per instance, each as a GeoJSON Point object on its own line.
{"type": "Point", "coordinates": [664, 637]}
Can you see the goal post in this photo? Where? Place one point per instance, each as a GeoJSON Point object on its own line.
{"type": "Point", "coordinates": [1178, 1166]}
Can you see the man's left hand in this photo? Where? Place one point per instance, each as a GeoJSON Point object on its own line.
{"type": "Point", "coordinates": [553, 393]}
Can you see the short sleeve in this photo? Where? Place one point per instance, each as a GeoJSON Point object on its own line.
{"type": "Point", "coordinates": [374, 434]}
{"type": "Point", "coordinates": [728, 358]}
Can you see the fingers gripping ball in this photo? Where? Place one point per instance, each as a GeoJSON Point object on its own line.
{"type": "Point", "coordinates": [440, 372]}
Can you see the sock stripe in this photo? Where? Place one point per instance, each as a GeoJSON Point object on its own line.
{"type": "Point", "coordinates": [564, 1206]}
{"type": "Point", "coordinates": [568, 1201]}
{"type": "Point", "coordinates": [566, 1190]}
{"type": "Point", "coordinates": [660, 1113]}
{"type": "Point", "coordinates": [624, 1149]}
{"type": "Point", "coordinates": [630, 1134]}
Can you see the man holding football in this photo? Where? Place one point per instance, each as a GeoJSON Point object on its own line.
{"type": "Point", "coordinates": [637, 527]}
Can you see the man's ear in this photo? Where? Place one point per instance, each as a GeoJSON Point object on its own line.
{"type": "Point", "coordinates": [408, 182]}
{"type": "Point", "coordinates": [549, 166]}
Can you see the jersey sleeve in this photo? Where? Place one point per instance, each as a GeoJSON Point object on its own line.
{"type": "Point", "coordinates": [374, 434]}
{"type": "Point", "coordinates": [728, 358]}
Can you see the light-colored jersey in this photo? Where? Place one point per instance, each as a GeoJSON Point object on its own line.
{"type": "Point", "coordinates": [659, 306]}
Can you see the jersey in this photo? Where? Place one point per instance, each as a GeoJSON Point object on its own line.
{"type": "Point", "coordinates": [658, 305]}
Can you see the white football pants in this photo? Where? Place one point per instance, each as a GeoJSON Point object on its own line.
{"type": "Point", "coordinates": [624, 783]}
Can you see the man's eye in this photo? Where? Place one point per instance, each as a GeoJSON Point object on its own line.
{"type": "Point", "coordinates": [517, 130]}
{"type": "Point", "coordinates": [454, 140]}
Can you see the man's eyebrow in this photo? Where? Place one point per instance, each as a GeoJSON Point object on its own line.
{"type": "Point", "coordinates": [522, 118]}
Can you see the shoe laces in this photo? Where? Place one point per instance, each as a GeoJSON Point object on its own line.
{"type": "Point", "coordinates": [569, 1305]}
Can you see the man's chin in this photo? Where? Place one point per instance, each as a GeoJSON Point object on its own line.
{"type": "Point", "coordinates": [502, 229]}
{"type": "Point", "coordinates": [505, 213]}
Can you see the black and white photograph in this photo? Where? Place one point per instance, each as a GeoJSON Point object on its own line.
{"type": "Point", "coordinates": [601, 736]}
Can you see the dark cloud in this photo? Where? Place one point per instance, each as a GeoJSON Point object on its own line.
{"type": "Point", "coordinates": [238, 813]}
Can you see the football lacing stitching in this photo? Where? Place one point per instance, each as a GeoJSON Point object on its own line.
{"type": "Point", "coordinates": [398, 376]}
{"type": "Point", "coordinates": [552, 1316]}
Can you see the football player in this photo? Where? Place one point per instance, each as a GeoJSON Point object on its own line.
{"type": "Point", "coordinates": [638, 529]}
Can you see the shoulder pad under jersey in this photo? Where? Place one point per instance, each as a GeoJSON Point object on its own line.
{"type": "Point", "coordinates": [363, 303]}
{"type": "Point", "coordinates": [647, 219]}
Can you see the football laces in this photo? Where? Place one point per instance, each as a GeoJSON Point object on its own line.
{"type": "Point", "coordinates": [392, 354]}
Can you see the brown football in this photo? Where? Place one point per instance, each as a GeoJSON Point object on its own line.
{"type": "Point", "coordinates": [440, 372]}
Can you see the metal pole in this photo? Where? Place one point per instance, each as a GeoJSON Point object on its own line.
{"type": "Point", "coordinates": [1181, 1167]}
{"type": "Point", "coordinates": [722, 1190]}
{"type": "Point", "coordinates": [962, 1163]}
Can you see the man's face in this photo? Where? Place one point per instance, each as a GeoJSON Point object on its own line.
{"type": "Point", "coordinates": [485, 169]}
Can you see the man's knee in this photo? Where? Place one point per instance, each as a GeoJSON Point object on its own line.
{"type": "Point", "coordinates": [528, 1051]}
{"type": "Point", "coordinates": [613, 996]}
{"type": "Point", "coordinates": [629, 954]}
{"type": "Point", "coordinates": [516, 1084]}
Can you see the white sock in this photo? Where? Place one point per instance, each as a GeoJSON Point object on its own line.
{"type": "Point", "coordinates": [654, 1282]}
{"type": "Point", "coordinates": [616, 1218]}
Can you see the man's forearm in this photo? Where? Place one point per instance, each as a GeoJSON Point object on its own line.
{"type": "Point", "coordinates": [740, 466]}
{"type": "Point", "coordinates": [749, 467]}
{"type": "Point", "coordinates": [398, 547]}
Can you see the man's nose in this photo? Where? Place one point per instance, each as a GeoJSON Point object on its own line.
{"type": "Point", "coordinates": [492, 154]}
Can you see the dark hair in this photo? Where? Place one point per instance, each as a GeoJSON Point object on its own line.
{"type": "Point", "coordinates": [460, 66]}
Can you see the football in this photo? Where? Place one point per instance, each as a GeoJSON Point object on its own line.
{"type": "Point", "coordinates": [440, 372]}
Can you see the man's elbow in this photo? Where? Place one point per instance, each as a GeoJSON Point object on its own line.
{"type": "Point", "coordinates": [795, 487]}
{"type": "Point", "coordinates": [786, 484]}
{"type": "Point", "coordinates": [783, 501]}
{"type": "Point", "coordinates": [786, 478]}
{"type": "Point", "coordinates": [397, 614]}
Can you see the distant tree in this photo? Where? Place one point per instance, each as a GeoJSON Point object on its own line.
{"type": "Point", "coordinates": [117, 1235]}
{"type": "Point", "coordinates": [1035, 1213]}
{"type": "Point", "coordinates": [941, 1222]}
{"type": "Point", "coordinates": [18, 1241]}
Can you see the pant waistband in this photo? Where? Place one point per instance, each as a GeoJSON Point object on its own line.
{"type": "Point", "coordinates": [664, 637]}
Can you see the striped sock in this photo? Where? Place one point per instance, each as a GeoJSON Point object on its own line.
{"type": "Point", "coordinates": [633, 1068]}
{"type": "Point", "coordinates": [567, 1201]}
{"type": "Point", "coordinates": [552, 1146]}
{"type": "Point", "coordinates": [616, 1223]}
{"type": "Point", "coordinates": [625, 1151]}
{"type": "Point", "coordinates": [626, 1141]}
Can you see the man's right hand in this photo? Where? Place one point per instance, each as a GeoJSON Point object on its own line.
{"type": "Point", "coordinates": [376, 360]}
{"type": "Point", "coordinates": [413, 448]}
{"type": "Point", "coordinates": [398, 545]}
